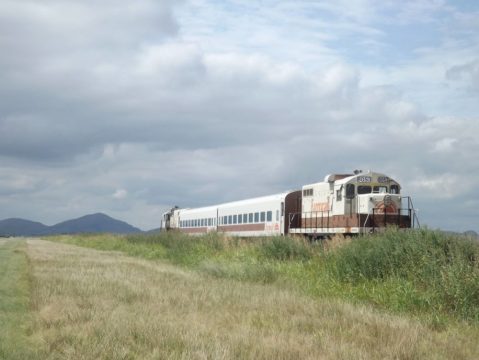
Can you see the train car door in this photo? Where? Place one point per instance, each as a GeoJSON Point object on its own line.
{"type": "Point", "coordinates": [292, 210]}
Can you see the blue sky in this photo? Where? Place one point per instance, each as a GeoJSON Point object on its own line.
{"type": "Point", "coordinates": [131, 107]}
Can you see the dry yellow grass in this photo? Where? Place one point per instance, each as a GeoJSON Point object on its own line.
{"type": "Point", "coordinates": [102, 305]}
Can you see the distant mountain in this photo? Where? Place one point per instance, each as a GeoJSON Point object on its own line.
{"type": "Point", "coordinates": [95, 223]}
{"type": "Point", "coordinates": [21, 227]}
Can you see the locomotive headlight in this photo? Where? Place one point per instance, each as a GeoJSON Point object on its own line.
{"type": "Point", "coordinates": [388, 200]}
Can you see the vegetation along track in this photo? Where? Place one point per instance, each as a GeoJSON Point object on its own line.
{"type": "Point", "coordinates": [91, 304]}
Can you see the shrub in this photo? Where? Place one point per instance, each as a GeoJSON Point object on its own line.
{"type": "Point", "coordinates": [444, 266]}
{"type": "Point", "coordinates": [285, 248]}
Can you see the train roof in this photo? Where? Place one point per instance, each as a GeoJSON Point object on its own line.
{"type": "Point", "coordinates": [256, 200]}
{"type": "Point", "coordinates": [252, 201]}
{"type": "Point", "coordinates": [345, 178]}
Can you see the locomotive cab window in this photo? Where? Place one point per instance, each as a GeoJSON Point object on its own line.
{"type": "Point", "coordinates": [350, 191]}
{"type": "Point", "coordinates": [364, 189]}
{"type": "Point", "coordinates": [394, 189]}
{"type": "Point", "coordinates": [380, 189]}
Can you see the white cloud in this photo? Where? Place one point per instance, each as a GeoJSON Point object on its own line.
{"type": "Point", "coordinates": [131, 108]}
{"type": "Point", "coordinates": [120, 194]}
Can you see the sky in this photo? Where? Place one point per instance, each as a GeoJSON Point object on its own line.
{"type": "Point", "coordinates": [131, 107]}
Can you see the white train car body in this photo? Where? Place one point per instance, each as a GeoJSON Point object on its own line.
{"type": "Point", "coordinates": [262, 216]}
{"type": "Point", "coordinates": [342, 203]}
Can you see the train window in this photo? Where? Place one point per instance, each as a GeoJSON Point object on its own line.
{"type": "Point", "coordinates": [263, 216]}
{"type": "Point", "coordinates": [308, 192]}
{"type": "Point", "coordinates": [245, 218]}
{"type": "Point", "coordinates": [256, 217]}
{"type": "Point", "coordinates": [240, 219]}
{"type": "Point", "coordinates": [209, 222]}
{"type": "Point", "coordinates": [225, 220]}
{"type": "Point", "coordinates": [230, 219]}
{"type": "Point", "coordinates": [380, 189]}
{"type": "Point", "coordinates": [364, 189]}
{"type": "Point", "coordinates": [235, 219]}
{"type": "Point", "coordinates": [277, 215]}
{"type": "Point", "coordinates": [394, 189]}
{"type": "Point", "coordinates": [269, 216]}
{"type": "Point", "coordinates": [350, 191]}
{"type": "Point", "coordinates": [250, 217]}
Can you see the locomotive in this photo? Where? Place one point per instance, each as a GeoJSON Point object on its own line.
{"type": "Point", "coordinates": [357, 203]}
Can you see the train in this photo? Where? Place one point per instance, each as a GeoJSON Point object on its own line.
{"type": "Point", "coordinates": [350, 203]}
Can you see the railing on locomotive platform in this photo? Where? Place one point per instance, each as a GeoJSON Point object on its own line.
{"type": "Point", "coordinates": [403, 218]}
{"type": "Point", "coordinates": [306, 220]}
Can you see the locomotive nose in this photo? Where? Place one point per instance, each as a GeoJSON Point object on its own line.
{"type": "Point", "coordinates": [389, 204]}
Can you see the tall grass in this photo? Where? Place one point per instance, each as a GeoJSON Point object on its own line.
{"type": "Point", "coordinates": [424, 272]}
{"type": "Point", "coordinates": [103, 305]}
{"type": "Point", "coordinates": [443, 269]}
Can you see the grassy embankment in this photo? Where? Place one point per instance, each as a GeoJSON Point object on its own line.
{"type": "Point", "coordinates": [89, 304]}
{"type": "Point", "coordinates": [428, 274]}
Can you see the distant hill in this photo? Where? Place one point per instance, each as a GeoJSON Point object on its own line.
{"type": "Point", "coordinates": [22, 227]}
{"type": "Point", "coordinates": [95, 223]}
{"type": "Point", "coordinates": [471, 233]}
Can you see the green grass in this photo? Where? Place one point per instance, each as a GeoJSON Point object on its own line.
{"type": "Point", "coordinates": [15, 319]}
{"type": "Point", "coordinates": [428, 274]}
{"type": "Point", "coordinates": [420, 271]}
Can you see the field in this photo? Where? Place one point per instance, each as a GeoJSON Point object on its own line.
{"type": "Point", "coordinates": [394, 296]}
